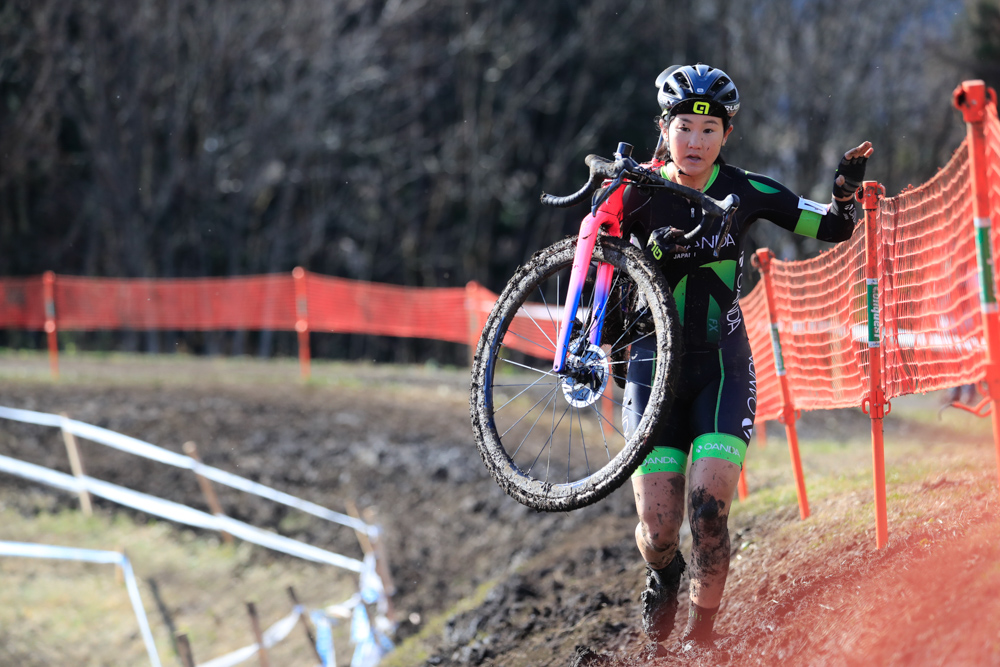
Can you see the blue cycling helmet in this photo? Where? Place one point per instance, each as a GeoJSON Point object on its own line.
{"type": "Point", "coordinates": [699, 89]}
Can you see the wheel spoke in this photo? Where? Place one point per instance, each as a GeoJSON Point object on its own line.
{"type": "Point", "coordinates": [530, 368]}
{"type": "Point", "coordinates": [548, 442]}
{"type": "Point", "coordinates": [535, 343]}
{"type": "Point", "coordinates": [541, 413]}
{"type": "Point", "coordinates": [600, 422]}
{"type": "Point", "coordinates": [551, 391]}
{"type": "Point", "coordinates": [608, 421]}
{"type": "Point", "coordinates": [583, 443]}
{"type": "Point", "coordinates": [541, 331]}
{"type": "Point", "coordinates": [496, 410]}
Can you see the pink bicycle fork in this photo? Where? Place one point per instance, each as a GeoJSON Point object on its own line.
{"type": "Point", "coordinates": [589, 229]}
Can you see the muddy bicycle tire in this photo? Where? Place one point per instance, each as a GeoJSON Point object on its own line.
{"type": "Point", "coordinates": [514, 388]}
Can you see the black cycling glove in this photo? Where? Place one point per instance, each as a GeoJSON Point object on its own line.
{"type": "Point", "coordinates": [853, 171]}
{"type": "Point", "coordinates": [661, 242]}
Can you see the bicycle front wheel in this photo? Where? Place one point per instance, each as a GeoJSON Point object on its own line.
{"type": "Point", "coordinates": [555, 441]}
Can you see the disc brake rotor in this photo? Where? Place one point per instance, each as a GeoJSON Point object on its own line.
{"type": "Point", "coordinates": [587, 377]}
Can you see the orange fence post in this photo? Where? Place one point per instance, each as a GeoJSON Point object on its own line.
{"type": "Point", "coordinates": [302, 321]}
{"type": "Point", "coordinates": [875, 405]}
{"type": "Point", "coordinates": [48, 294]}
{"type": "Point", "coordinates": [788, 411]}
{"type": "Point", "coordinates": [971, 98]}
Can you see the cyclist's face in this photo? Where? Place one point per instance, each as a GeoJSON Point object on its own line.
{"type": "Point", "coordinates": [695, 142]}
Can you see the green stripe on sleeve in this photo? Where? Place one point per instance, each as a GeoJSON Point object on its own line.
{"type": "Point", "coordinates": [762, 187]}
{"type": "Point", "coordinates": [663, 459]}
{"type": "Point", "coordinates": [808, 224]}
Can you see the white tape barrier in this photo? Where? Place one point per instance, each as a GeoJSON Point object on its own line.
{"type": "Point", "coordinates": [271, 636]}
{"type": "Point", "coordinates": [150, 451]}
{"type": "Point", "coordinates": [176, 512]}
{"type": "Point", "coordinates": [26, 550]}
{"type": "Point", "coordinates": [370, 645]}
{"type": "Point", "coordinates": [324, 638]}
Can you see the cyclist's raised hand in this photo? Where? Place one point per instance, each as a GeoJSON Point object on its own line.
{"type": "Point", "coordinates": [851, 171]}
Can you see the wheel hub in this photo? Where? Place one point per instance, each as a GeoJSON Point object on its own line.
{"type": "Point", "coordinates": [586, 376]}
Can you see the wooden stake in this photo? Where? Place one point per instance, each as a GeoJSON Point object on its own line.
{"type": "Point", "coordinates": [381, 557]}
{"type": "Point", "coordinates": [207, 489]}
{"type": "Point", "coordinates": [184, 650]}
{"type": "Point", "coordinates": [366, 544]}
{"type": "Point", "coordinates": [76, 465]}
{"type": "Point", "coordinates": [304, 620]}
{"type": "Point", "coordinates": [255, 623]}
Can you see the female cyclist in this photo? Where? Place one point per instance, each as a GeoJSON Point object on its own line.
{"type": "Point", "coordinates": [712, 415]}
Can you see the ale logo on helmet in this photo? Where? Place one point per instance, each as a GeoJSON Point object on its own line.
{"type": "Point", "coordinates": [701, 107]}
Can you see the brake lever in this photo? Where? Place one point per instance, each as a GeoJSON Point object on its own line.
{"type": "Point", "coordinates": [624, 166]}
{"type": "Point", "coordinates": [606, 192]}
{"type": "Point", "coordinates": [730, 204]}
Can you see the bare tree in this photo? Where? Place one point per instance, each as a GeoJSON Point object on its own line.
{"type": "Point", "coordinates": [407, 141]}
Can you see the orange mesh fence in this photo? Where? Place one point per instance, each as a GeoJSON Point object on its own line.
{"type": "Point", "coordinates": [535, 325]}
{"type": "Point", "coordinates": [992, 131]}
{"type": "Point", "coordinates": [251, 302]}
{"type": "Point", "coordinates": [932, 331]}
{"type": "Point", "coordinates": [820, 306]}
{"type": "Point", "coordinates": [932, 326]}
{"type": "Point", "coordinates": [348, 306]}
{"type": "Point", "coordinates": [759, 330]}
{"type": "Point", "coordinates": [21, 305]}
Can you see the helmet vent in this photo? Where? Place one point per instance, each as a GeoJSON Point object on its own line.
{"type": "Point", "coordinates": [719, 84]}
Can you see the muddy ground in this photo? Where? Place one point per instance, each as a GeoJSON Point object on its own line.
{"type": "Point", "coordinates": [547, 589]}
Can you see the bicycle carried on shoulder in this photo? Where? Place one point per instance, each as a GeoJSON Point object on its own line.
{"type": "Point", "coordinates": [549, 372]}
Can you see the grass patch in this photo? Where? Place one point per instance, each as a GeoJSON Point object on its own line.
{"type": "Point", "coordinates": [84, 614]}
{"type": "Point", "coordinates": [108, 369]}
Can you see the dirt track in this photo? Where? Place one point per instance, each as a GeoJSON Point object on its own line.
{"type": "Point", "coordinates": [810, 592]}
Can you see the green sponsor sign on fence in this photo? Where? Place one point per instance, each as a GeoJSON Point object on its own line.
{"type": "Point", "coordinates": [984, 255]}
{"type": "Point", "coordinates": [874, 331]}
{"type": "Point", "coordinates": [779, 360]}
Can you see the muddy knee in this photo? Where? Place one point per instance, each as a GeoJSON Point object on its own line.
{"type": "Point", "coordinates": [709, 518]}
{"type": "Point", "coordinates": [658, 531]}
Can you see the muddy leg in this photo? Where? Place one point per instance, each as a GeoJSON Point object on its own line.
{"type": "Point", "coordinates": [659, 500]}
{"type": "Point", "coordinates": [713, 484]}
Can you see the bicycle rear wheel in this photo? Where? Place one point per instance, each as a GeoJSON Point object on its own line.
{"type": "Point", "coordinates": [554, 442]}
